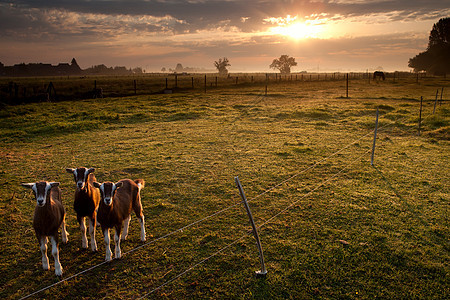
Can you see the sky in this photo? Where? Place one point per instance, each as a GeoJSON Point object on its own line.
{"type": "Point", "coordinates": [322, 35]}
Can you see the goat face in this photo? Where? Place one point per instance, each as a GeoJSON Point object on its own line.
{"type": "Point", "coordinates": [41, 190]}
{"type": "Point", "coordinates": [81, 176]}
{"type": "Point", "coordinates": [107, 190]}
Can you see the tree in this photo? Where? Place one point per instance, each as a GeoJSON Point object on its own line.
{"type": "Point", "coordinates": [436, 58]}
{"type": "Point", "coordinates": [179, 68]}
{"type": "Point", "coordinates": [284, 64]}
{"type": "Point", "coordinates": [222, 65]}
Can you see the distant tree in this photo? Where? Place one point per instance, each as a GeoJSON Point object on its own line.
{"type": "Point", "coordinates": [221, 65]}
{"type": "Point", "coordinates": [436, 59]}
{"type": "Point", "coordinates": [284, 64]}
{"type": "Point", "coordinates": [163, 69]}
{"type": "Point", "coordinates": [179, 68]}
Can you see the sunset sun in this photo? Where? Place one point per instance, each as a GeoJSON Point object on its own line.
{"type": "Point", "coordinates": [297, 29]}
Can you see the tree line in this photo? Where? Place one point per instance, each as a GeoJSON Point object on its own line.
{"type": "Point", "coordinates": [436, 59]}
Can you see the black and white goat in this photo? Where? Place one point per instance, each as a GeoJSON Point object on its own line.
{"type": "Point", "coordinates": [117, 201]}
{"type": "Point", "coordinates": [85, 204]}
{"type": "Point", "coordinates": [49, 215]}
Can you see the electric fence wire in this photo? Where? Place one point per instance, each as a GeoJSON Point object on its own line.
{"type": "Point", "coordinates": [203, 219]}
{"type": "Point", "coordinates": [263, 224]}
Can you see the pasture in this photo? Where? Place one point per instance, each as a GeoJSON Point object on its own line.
{"type": "Point", "coordinates": [331, 225]}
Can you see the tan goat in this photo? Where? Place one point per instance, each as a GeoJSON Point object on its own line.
{"type": "Point", "coordinates": [49, 215]}
{"type": "Point", "coordinates": [117, 201]}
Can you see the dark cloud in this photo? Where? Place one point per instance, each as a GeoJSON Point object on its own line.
{"type": "Point", "coordinates": [205, 14]}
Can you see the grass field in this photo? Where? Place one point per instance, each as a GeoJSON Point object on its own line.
{"type": "Point", "coordinates": [332, 227]}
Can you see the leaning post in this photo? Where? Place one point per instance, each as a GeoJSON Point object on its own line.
{"type": "Point", "coordinates": [374, 139]}
{"type": "Point", "coordinates": [263, 271]}
{"type": "Point", "coordinates": [435, 101]}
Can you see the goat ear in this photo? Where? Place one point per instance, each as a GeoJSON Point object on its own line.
{"type": "Point", "coordinates": [119, 184]}
{"type": "Point", "coordinates": [69, 170]}
{"type": "Point", "coordinates": [91, 170]}
{"type": "Point", "coordinates": [27, 185]}
{"type": "Point", "coordinates": [54, 184]}
{"type": "Point", "coordinates": [96, 184]}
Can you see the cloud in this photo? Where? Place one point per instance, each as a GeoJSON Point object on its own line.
{"type": "Point", "coordinates": [155, 32]}
{"type": "Point", "coordinates": [208, 14]}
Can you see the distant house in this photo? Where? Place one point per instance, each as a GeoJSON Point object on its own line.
{"type": "Point", "coordinates": [40, 69]}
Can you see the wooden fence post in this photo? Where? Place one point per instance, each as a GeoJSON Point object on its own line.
{"type": "Point", "coordinates": [135, 88]}
{"type": "Point", "coordinates": [374, 139]}
{"type": "Point", "coordinates": [263, 270]}
{"type": "Point", "coordinates": [205, 83]}
{"type": "Point", "coordinates": [347, 86]}
{"type": "Point", "coordinates": [267, 80]}
{"type": "Point", "coordinates": [420, 113]}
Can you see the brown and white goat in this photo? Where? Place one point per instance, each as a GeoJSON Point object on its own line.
{"type": "Point", "coordinates": [117, 201]}
{"type": "Point", "coordinates": [49, 215]}
{"type": "Point", "coordinates": [85, 204]}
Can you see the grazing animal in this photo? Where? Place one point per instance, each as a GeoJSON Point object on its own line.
{"type": "Point", "coordinates": [377, 74]}
{"type": "Point", "coordinates": [117, 201]}
{"type": "Point", "coordinates": [49, 215]}
{"type": "Point", "coordinates": [87, 198]}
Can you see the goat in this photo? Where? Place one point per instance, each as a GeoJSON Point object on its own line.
{"type": "Point", "coordinates": [117, 200]}
{"type": "Point", "coordinates": [49, 215]}
{"type": "Point", "coordinates": [87, 198]}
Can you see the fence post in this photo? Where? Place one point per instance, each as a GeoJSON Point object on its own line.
{"type": "Point", "coordinates": [135, 88]}
{"type": "Point", "coordinates": [347, 86]}
{"type": "Point", "coordinates": [435, 101]}
{"type": "Point", "coordinates": [442, 92]}
{"type": "Point", "coordinates": [374, 139]}
{"type": "Point", "coordinates": [267, 80]}
{"type": "Point", "coordinates": [192, 79]}
{"type": "Point", "coordinates": [205, 83]}
{"type": "Point", "coordinates": [263, 270]}
{"type": "Point", "coordinates": [420, 113]}
{"type": "Point", "coordinates": [166, 83]}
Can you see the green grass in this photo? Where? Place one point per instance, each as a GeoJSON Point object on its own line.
{"type": "Point", "coordinates": [371, 232]}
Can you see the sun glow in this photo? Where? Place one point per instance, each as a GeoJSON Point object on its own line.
{"type": "Point", "coordinates": [297, 29]}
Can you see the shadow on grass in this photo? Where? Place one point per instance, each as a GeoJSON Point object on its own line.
{"type": "Point", "coordinates": [410, 208]}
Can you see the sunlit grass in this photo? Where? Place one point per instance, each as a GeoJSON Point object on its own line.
{"type": "Point", "coordinates": [189, 147]}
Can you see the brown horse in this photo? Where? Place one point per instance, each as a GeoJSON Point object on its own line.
{"type": "Point", "coordinates": [378, 74]}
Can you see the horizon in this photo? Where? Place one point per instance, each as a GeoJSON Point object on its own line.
{"type": "Point", "coordinates": [322, 35]}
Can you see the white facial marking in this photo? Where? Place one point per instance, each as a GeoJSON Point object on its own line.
{"type": "Point", "coordinates": [41, 198]}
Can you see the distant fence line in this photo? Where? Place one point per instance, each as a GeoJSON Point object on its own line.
{"type": "Point", "coordinates": [38, 89]}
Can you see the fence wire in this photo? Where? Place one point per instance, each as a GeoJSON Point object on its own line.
{"type": "Point", "coordinates": [215, 214]}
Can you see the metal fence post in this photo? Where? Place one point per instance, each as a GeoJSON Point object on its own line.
{"type": "Point", "coordinates": [263, 270]}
